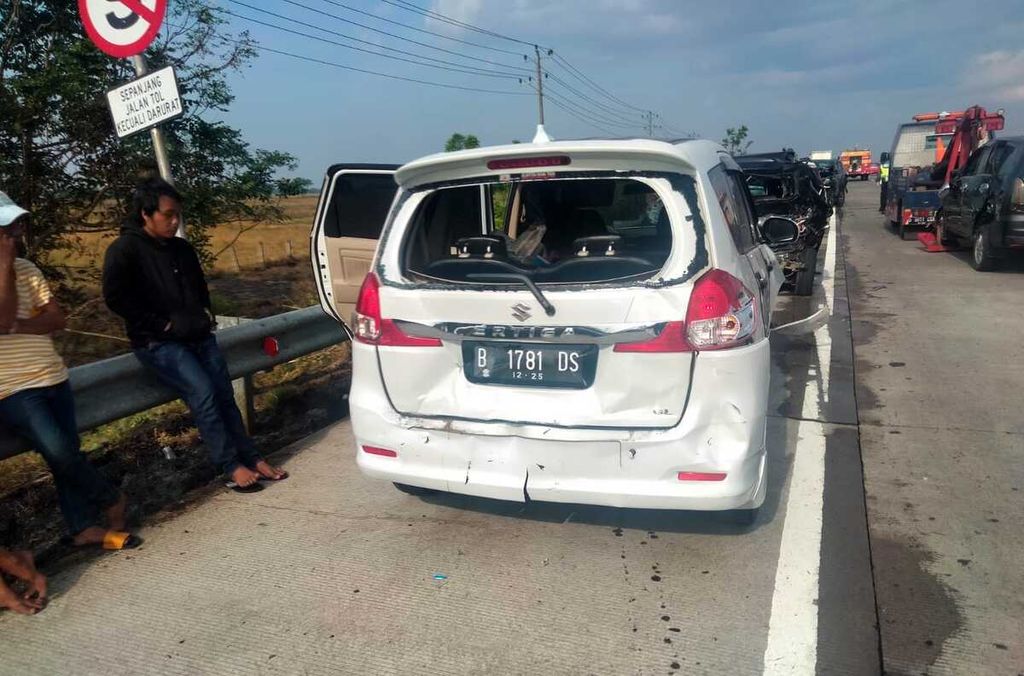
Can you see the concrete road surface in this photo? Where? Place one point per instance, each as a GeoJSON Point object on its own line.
{"type": "Point", "coordinates": [332, 573]}
{"type": "Point", "coordinates": [940, 388]}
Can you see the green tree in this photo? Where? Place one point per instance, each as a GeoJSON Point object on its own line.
{"type": "Point", "coordinates": [59, 156]}
{"type": "Point", "coordinates": [735, 140]}
{"type": "Point", "coordinates": [289, 187]}
{"type": "Point", "coordinates": [459, 142]}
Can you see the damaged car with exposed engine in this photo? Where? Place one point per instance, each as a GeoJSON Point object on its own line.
{"type": "Point", "coordinates": [573, 321]}
{"type": "Point", "coordinates": [783, 186]}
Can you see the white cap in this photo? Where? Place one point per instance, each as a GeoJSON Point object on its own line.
{"type": "Point", "coordinates": [9, 211]}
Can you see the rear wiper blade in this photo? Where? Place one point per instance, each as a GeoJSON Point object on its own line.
{"type": "Point", "coordinates": [549, 309]}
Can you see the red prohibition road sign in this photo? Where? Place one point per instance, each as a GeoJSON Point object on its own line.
{"type": "Point", "coordinates": [122, 28]}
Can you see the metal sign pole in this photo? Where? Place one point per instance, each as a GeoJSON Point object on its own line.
{"type": "Point", "coordinates": [159, 146]}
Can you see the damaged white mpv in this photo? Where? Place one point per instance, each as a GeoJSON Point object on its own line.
{"type": "Point", "coordinates": [581, 322]}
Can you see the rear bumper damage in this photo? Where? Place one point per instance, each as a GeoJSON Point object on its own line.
{"type": "Point", "coordinates": [721, 431]}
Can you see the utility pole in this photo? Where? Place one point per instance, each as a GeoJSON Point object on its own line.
{"type": "Point", "coordinates": [649, 115]}
{"type": "Point", "coordinates": [540, 85]}
{"type": "Point", "coordinates": [159, 146]}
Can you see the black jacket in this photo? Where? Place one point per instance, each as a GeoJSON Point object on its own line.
{"type": "Point", "coordinates": [151, 282]}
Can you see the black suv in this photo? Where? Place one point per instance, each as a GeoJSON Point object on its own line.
{"type": "Point", "coordinates": [984, 204]}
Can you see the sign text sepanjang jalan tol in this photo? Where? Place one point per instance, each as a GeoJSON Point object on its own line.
{"type": "Point", "coordinates": [145, 103]}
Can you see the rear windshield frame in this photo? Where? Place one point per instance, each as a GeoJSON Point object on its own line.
{"type": "Point", "coordinates": [683, 184]}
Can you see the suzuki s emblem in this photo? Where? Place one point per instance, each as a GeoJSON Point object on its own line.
{"type": "Point", "coordinates": [521, 312]}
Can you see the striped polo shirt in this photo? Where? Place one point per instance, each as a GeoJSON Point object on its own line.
{"type": "Point", "coordinates": [28, 361]}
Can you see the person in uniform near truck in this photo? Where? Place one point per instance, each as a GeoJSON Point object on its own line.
{"type": "Point", "coordinates": [883, 181]}
{"type": "Point", "coordinates": [154, 281]}
{"type": "Point", "coordinates": [35, 398]}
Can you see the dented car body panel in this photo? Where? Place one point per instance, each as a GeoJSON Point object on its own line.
{"type": "Point", "coordinates": [514, 382]}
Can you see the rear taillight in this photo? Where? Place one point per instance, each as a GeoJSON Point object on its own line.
{"type": "Point", "coordinates": [373, 329]}
{"type": "Point", "coordinates": [721, 314]}
{"type": "Point", "coordinates": [701, 476]}
{"type": "Point", "coordinates": [907, 216]}
{"type": "Point", "coordinates": [376, 450]}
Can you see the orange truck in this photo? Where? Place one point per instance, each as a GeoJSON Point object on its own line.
{"type": "Point", "coordinates": [857, 163]}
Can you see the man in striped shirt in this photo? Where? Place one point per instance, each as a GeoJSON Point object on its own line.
{"type": "Point", "coordinates": [35, 397]}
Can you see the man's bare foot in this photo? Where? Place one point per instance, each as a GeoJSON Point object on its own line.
{"type": "Point", "coordinates": [93, 535]}
{"type": "Point", "coordinates": [244, 477]}
{"type": "Point", "coordinates": [115, 513]}
{"type": "Point", "coordinates": [11, 601]}
{"type": "Point", "coordinates": [268, 471]}
{"type": "Point", "coordinates": [22, 565]}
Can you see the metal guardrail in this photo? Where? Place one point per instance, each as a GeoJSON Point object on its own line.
{"type": "Point", "coordinates": [114, 388]}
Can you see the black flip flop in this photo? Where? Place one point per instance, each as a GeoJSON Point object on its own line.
{"type": "Point", "coordinates": [254, 487]}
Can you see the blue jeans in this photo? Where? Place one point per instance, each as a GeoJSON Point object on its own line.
{"type": "Point", "coordinates": [45, 416]}
{"type": "Point", "coordinates": [198, 373]}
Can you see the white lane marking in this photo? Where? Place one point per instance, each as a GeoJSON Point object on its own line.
{"type": "Point", "coordinates": [793, 628]}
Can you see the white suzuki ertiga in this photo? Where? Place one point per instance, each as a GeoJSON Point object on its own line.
{"type": "Point", "coordinates": [580, 321]}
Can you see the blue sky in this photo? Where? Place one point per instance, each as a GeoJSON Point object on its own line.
{"type": "Point", "coordinates": [821, 75]}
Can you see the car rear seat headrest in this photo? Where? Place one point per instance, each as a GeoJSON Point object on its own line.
{"type": "Point", "coordinates": [597, 245]}
{"type": "Point", "coordinates": [481, 246]}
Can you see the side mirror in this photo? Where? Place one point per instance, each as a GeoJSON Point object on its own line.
{"type": "Point", "coordinates": [884, 158]}
{"type": "Point", "coordinates": [779, 230]}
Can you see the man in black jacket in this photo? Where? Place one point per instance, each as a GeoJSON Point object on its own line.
{"type": "Point", "coordinates": [155, 282]}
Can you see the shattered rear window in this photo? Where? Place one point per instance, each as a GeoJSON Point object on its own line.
{"type": "Point", "coordinates": [551, 231]}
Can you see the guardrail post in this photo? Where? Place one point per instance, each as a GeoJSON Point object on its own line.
{"type": "Point", "coordinates": [243, 397]}
{"type": "Point", "coordinates": [242, 386]}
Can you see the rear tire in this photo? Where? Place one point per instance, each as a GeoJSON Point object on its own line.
{"type": "Point", "coordinates": [982, 258]}
{"type": "Point", "coordinates": [804, 284]}
{"type": "Point", "coordinates": [418, 491]}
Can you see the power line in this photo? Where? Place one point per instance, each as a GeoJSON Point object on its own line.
{"type": "Point", "coordinates": [410, 7]}
{"type": "Point", "coordinates": [420, 30]}
{"type": "Point", "coordinates": [578, 74]}
{"type": "Point", "coordinates": [451, 66]}
{"type": "Point", "coordinates": [388, 75]}
{"type": "Point", "coordinates": [393, 35]}
{"type": "Point", "coordinates": [582, 115]}
{"type": "Point", "coordinates": [592, 124]}
{"type": "Point", "coordinates": [561, 61]}
{"type": "Point", "coordinates": [615, 122]}
{"type": "Point", "coordinates": [255, 45]}
{"type": "Point", "coordinates": [585, 97]}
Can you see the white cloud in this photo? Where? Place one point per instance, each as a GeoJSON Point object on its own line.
{"type": "Point", "coordinates": [1000, 73]}
{"type": "Point", "coordinates": [465, 11]}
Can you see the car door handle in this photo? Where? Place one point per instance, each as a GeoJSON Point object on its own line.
{"type": "Point", "coordinates": [761, 281]}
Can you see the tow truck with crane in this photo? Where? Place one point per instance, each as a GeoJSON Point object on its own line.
{"type": "Point", "coordinates": [924, 155]}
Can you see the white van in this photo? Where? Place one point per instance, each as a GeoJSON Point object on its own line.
{"type": "Point", "coordinates": [579, 321]}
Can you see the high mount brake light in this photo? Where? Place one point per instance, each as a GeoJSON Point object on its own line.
{"type": "Point", "coordinates": [530, 162]}
{"type": "Point", "coordinates": [371, 328]}
{"type": "Point", "coordinates": [721, 314]}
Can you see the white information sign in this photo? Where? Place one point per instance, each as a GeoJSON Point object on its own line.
{"type": "Point", "coordinates": [145, 103]}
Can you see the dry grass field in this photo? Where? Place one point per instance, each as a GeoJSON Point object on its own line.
{"type": "Point", "coordinates": [258, 244]}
